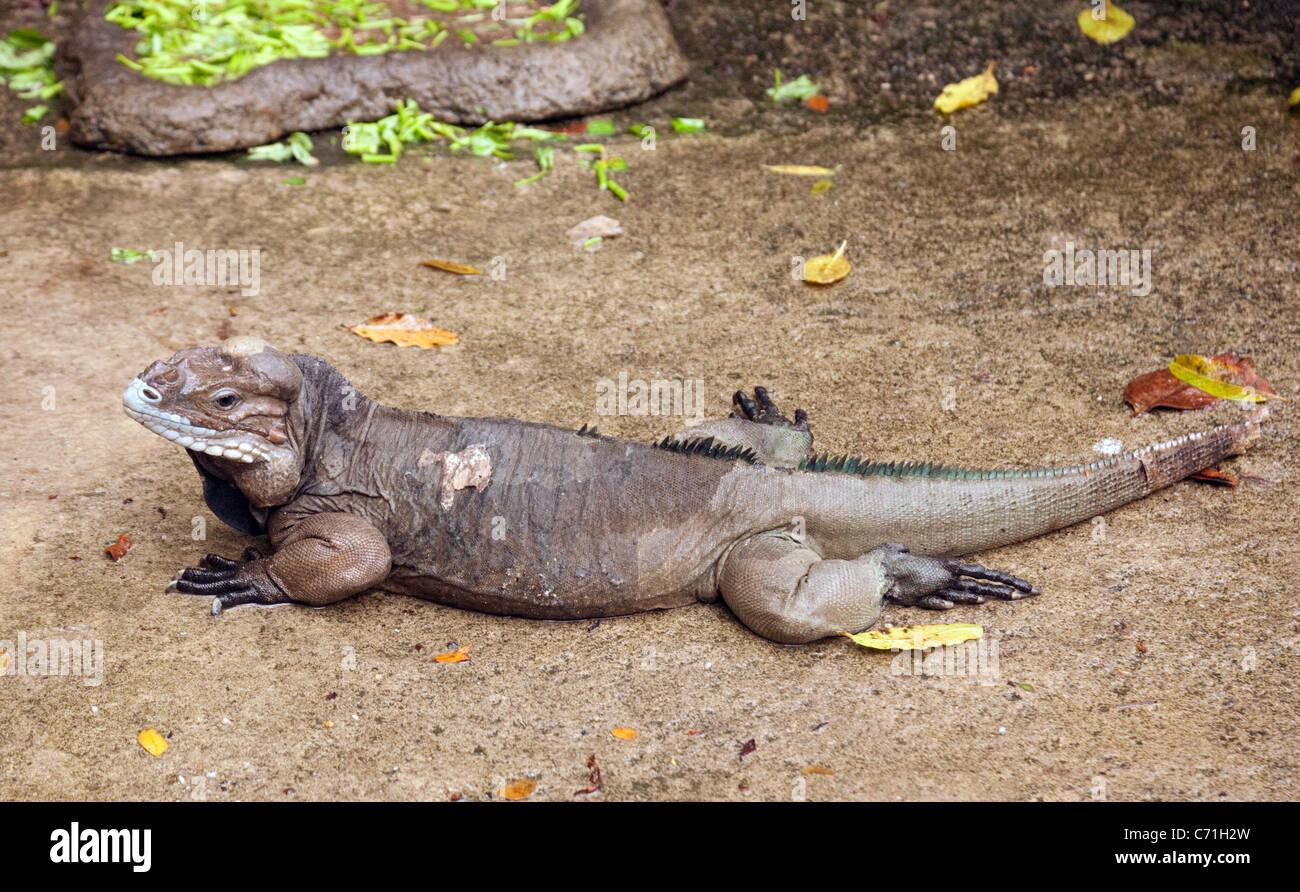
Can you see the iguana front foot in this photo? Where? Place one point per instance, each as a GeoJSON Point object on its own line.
{"type": "Point", "coordinates": [761, 410]}
{"type": "Point", "coordinates": [942, 583]}
{"type": "Point", "coordinates": [230, 583]}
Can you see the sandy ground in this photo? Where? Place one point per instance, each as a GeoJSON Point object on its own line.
{"type": "Point", "coordinates": [1159, 664]}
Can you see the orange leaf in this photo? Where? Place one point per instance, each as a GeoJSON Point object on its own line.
{"type": "Point", "coordinates": [626, 733]}
{"type": "Point", "coordinates": [118, 549]}
{"type": "Point", "coordinates": [818, 102]}
{"type": "Point", "coordinates": [459, 655]}
{"type": "Point", "coordinates": [818, 769]}
{"type": "Point", "coordinates": [578, 127]}
{"type": "Point", "coordinates": [1218, 478]}
{"type": "Point", "coordinates": [448, 266]}
{"type": "Point", "coordinates": [404, 330]}
{"type": "Point", "coordinates": [518, 789]}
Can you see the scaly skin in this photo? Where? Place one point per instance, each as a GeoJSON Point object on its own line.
{"type": "Point", "coordinates": [526, 519]}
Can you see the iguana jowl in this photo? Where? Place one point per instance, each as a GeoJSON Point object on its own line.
{"type": "Point", "coordinates": [526, 519]}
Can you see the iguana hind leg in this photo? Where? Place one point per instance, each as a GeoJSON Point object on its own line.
{"type": "Point", "coordinates": [758, 424]}
{"type": "Point", "coordinates": [321, 559]}
{"type": "Point", "coordinates": [783, 590]}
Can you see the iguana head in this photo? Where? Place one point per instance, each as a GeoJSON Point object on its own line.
{"type": "Point", "coordinates": [232, 406]}
{"type": "Point", "coordinates": [230, 402]}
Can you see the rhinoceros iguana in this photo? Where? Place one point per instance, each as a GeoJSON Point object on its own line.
{"type": "Point", "coordinates": [513, 517]}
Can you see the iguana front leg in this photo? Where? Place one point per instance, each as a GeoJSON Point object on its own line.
{"type": "Point", "coordinates": [783, 590]}
{"type": "Point", "coordinates": [758, 424]}
{"type": "Point", "coordinates": [321, 559]}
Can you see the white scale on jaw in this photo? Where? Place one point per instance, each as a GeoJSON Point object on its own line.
{"type": "Point", "coordinates": [182, 432]}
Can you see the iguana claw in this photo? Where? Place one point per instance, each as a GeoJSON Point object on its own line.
{"type": "Point", "coordinates": [940, 584]}
{"type": "Point", "coordinates": [764, 411]}
{"type": "Point", "coordinates": [229, 582]}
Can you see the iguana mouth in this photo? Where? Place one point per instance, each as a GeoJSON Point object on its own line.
{"type": "Point", "coordinates": [235, 445]}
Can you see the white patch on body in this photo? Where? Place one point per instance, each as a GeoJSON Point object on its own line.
{"type": "Point", "coordinates": [472, 466]}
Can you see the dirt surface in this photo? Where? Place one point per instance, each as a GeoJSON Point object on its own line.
{"type": "Point", "coordinates": [1160, 663]}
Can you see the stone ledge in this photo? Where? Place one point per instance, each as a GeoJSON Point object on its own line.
{"type": "Point", "coordinates": [626, 55]}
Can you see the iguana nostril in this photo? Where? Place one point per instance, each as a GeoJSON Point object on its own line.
{"type": "Point", "coordinates": [150, 394]}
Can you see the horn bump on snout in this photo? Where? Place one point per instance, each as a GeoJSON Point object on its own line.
{"type": "Point", "coordinates": [281, 376]}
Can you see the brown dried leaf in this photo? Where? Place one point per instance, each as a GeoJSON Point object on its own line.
{"type": "Point", "coordinates": [748, 747]}
{"type": "Point", "coordinates": [404, 330]}
{"type": "Point", "coordinates": [598, 226]}
{"type": "Point", "coordinates": [1161, 389]}
{"type": "Point", "coordinates": [594, 779]}
{"type": "Point", "coordinates": [118, 549]}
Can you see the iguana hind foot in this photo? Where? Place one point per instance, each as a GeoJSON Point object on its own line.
{"type": "Point", "coordinates": [784, 590]}
{"type": "Point", "coordinates": [757, 424]}
{"type": "Point", "coordinates": [762, 410]}
{"type": "Point", "coordinates": [942, 583]}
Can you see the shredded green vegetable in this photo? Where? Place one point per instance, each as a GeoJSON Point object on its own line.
{"type": "Point", "coordinates": [382, 142]}
{"type": "Point", "coordinates": [209, 41]}
{"type": "Point", "coordinates": [410, 125]}
{"type": "Point", "coordinates": [602, 166]}
{"type": "Point", "coordinates": [545, 156]}
{"type": "Point", "coordinates": [297, 148]}
{"type": "Point", "coordinates": [688, 125]}
{"type": "Point", "coordinates": [127, 255]}
{"type": "Point", "coordinates": [800, 88]}
{"type": "Point", "coordinates": [27, 66]}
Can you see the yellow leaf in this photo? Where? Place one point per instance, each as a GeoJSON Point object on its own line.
{"type": "Point", "coordinates": [818, 769]}
{"type": "Point", "coordinates": [971, 91]}
{"type": "Point", "coordinates": [917, 637]}
{"type": "Point", "coordinates": [626, 733]}
{"type": "Point", "coordinates": [152, 741]}
{"type": "Point", "coordinates": [827, 268]}
{"type": "Point", "coordinates": [1295, 98]}
{"type": "Point", "coordinates": [404, 330]}
{"type": "Point", "coordinates": [1215, 379]}
{"type": "Point", "coordinates": [448, 266]}
{"type": "Point", "coordinates": [459, 655]}
{"type": "Point", "coordinates": [820, 186]}
{"type": "Point", "coordinates": [4, 661]}
{"type": "Point", "coordinates": [802, 170]}
{"type": "Point", "coordinates": [1113, 25]}
{"type": "Point", "coordinates": [518, 789]}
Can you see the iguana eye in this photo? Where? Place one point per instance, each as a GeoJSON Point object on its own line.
{"type": "Point", "coordinates": [226, 400]}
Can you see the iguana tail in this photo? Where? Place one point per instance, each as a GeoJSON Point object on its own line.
{"type": "Point", "coordinates": [939, 510]}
